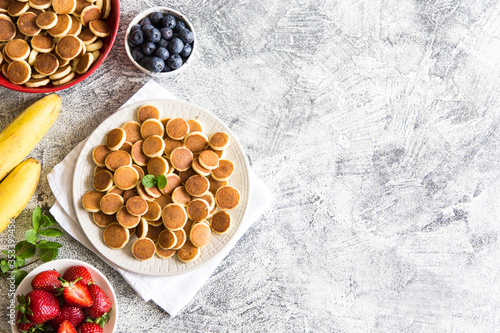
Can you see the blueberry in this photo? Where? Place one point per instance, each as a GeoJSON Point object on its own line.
{"type": "Point", "coordinates": [156, 18]}
{"type": "Point", "coordinates": [135, 27]}
{"type": "Point", "coordinates": [180, 25]}
{"type": "Point", "coordinates": [186, 51]}
{"type": "Point", "coordinates": [145, 21]}
{"type": "Point", "coordinates": [174, 61]}
{"type": "Point", "coordinates": [137, 54]}
{"type": "Point", "coordinates": [162, 53]}
{"type": "Point", "coordinates": [148, 48]}
{"type": "Point", "coordinates": [175, 46]}
{"type": "Point", "coordinates": [146, 28]}
{"type": "Point", "coordinates": [137, 37]}
{"type": "Point", "coordinates": [153, 35]}
{"type": "Point", "coordinates": [186, 35]}
{"type": "Point", "coordinates": [162, 43]}
{"type": "Point", "coordinates": [156, 65]}
{"type": "Point", "coordinates": [169, 21]}
{"type": "Point", "coordinates": [145, 61]}
{"type": "Point", "coordinates": [166, 33]}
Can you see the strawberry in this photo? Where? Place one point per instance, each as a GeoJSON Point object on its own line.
{"type": "Point", "coordinates": [66, 327]}
{"type": "Point", "coordinates": [69, 313]}
{"type": "Point", "coordinates": [47, 280]}
{"type": "Point", "coordinates": [89, 328]}
{"type": "Point", "coordinates": [101, 305]}
{"type": "Point", "coordinates": [38, 306]}
{"type": "Point", "coordinates": [76, 293]}
{"type": "Point", "coordinates": [22, 323]}
{"type": "Point", "coordinates": [75, 272]}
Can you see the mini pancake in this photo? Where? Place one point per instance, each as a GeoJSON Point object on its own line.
{"type": "Point", "coordinates": [146, 112]}
{"type": "Point", "coordinates": [153, 191]}
{"type": "Point", "coordinates": [227, 197]}
{"type": "Point", "coordinates": [210, 199]}
{"type": "Point", "coordinates": [219, 153]}
{"type": "Point", "coordinates": [76, 26]}
{"type": "Point", "coordinates": [133, 131]}
{"type": "Point", "coordinates": [35, 11]}
{"type": "Point", "coordinates": [141, 190]}
{"type": "Point", "coordinates": [64, 80]}
{"type": "Point", "coordinates": [91, 201]}
{"type": "Point", "coordinates": [221, 222]}
{"type": "Point", "coordinates": [32, 57]}
{"type": "Point", "coordinates": [153, 146]}
{"type": "Point", "coordinates": [142, 228]}
{"type": "Point", "coordinates": [188, 252]}
{"type": "Point", "coordinates": [163, 200]}
{"type": "Point", "coordinates": [4, 69]}
{"type": "Point", "coordinates": [171, 144]}
{"type": "Point", "coordinates": [174, 216]}
{"type": "Point", "coordinates": [46, 63]}
{"type": "Point", "coordinates": [194, 126]}
{"type": "Point", "coordinates": [139, 170]}
{"type": "Point", "coordinates": [64, 6]}
{"type": "Point", "coordinates": [213, 211]}
{"type": "Point", "coordinates": [177, 128]}
{"type": "Point", "coordinates": [199, 169]}
{"type": "Point", "coordinates": [90, 13]}
{"type": "Point", "coordinates": [110, 203]}
{"type": "Point", "coordinates": [137, 206]}
{"type": "Point", "coordinates": [153, 232]}
{"type": "Point", "coordinates": [181, 196]}
{"type": "Point", "coordinates": [103, 220]}
{"type": "Point", "coordinates": [115, 138]}
{"type": "Point", "coordinates": [19, 72]}
{"type": "Point", "coordinates": [156, 223]}
{"type": "Point", "coordinates": [181, 238]}
{"type": "Point", "coordinates": [187, 227]}
{"type": "Point", "coordinates": [200, 234]}
{"type": "Point", "coordinates": [17, 50]}
{"type": "Point", "coordinates": [42, 43]}
{"type": "Point", "coordinates": [36, 75]}
{"type": "Point", "coordinates": [4, 4]}
{"type": "Point", "coordinates": [106, 8]}
{"type": "Point", "coordinates": [127, 146]}
{"type": "Point", "coordinates": [117, 159]}
{"type": "Point", "coordinates": [16, 8]}
{"type": "Point", "coordinates": [97, 169]}
{"type": "Point", "coordinates": [27, 24]}
{"type": "Point", "coordinates": [219, 141]}
{"type": "Point", "coordinates": [33, 83]}
{"type": "Point", "coordinates": [116, 190]}
{"type": "Point", "coordinates": [99, 155]}
{"type": "Point", "coordinates": [69, 47]}
{"type": "Point", "coordinates": [164, 254]}
{"type": "Point", "coordinates": [138, 155]}
{"type": "Point", "coordinates": [185, 175]}
{"type": "Point", "coordinates": [129, 194]}
{"type": "Point", "coordinates": [173, 181]}
{"type": "Point", "coordinates": [158, 166]}
{"type": "Point", "coordinates": [87, 36]}
{"type": "Point", "coordinates": [164, 122]}
{"type": "Point", "coordinates": [181, 158]}
{"type": "Point", "coordinates": [62, 62]}
{"type": "Point", "coordinates": [154, 211]}
{"type": "Point", "coordinates": [126, 219]}
{"type": "Point", "coordinates": [167, 239]}
{"type": "Point", "coordinates": [94, 46]}
{"type": "Point", "coordinates": [103, 180]}
{"type": "Point", "coordinates": [99, 28]}
{"type": "Point", "coordinates": [62, 26]}
{"type": "Point", "coordinates": [40, 4]}
{"type": "Point", "coordinates": [196, 142]}
{"type": "Point", "coordinates": [197, 210]}
{"type": "Point", "coordinates": [208, 160]}
{"type": "Point", "coordinates": [223, 171]}
{"type": "Point", "coordinates": [126, 177]}
{"type": "Point", "coordinates": [115, 236]}
{"type": "Point", "coordinates": [80, 5]}
{"type": "Point", "coordinates": [197, 185]}
{"type": "Point", "coordinates": [151, 126]}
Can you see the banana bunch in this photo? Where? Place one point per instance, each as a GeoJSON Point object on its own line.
{"type": "Point", "coordinates": [19, 179]}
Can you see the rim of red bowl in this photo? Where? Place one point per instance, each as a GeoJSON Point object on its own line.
{"type": "Point", "coordinates": [113, 21]}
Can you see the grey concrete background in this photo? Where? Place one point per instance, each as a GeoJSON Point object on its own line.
{"type": "Point", "coordinates": [374, 123]}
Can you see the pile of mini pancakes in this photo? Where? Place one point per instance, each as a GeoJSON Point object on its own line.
{"type": "Point", "coordinates": [48, 41]}
{"type": "Point", "coordinates": [177, 219]}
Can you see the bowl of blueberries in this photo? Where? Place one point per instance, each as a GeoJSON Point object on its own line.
{"type": "Point", "coordinates": [160, 41]}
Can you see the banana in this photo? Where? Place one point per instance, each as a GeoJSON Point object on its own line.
{"type": "Point", "coordinates": [19, 138]}
{"type": "Point", "coordinates": [17, 189]}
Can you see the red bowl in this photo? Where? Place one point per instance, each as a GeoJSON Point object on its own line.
{"type": "Point", "coordinates": [113, 22]}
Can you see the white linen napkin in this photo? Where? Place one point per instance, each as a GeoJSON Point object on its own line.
{"type": "Point", "coordinates": [171, 293]}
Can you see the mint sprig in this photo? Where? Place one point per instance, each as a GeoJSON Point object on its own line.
{"type": "Point", "coordinates": [152, 180]}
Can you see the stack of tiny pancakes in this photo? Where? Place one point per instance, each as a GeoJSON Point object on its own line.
{"type": "Point", "coordinates": [177, 219]}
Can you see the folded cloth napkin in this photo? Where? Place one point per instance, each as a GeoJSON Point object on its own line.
{"type": "Point", "coordinates": [171, 293]}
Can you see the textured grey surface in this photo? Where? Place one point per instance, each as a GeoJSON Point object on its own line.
{"type": "Point", "coordinates": [375, 124]}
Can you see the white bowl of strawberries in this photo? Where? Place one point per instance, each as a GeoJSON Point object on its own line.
{"type": "Point", "coordinates": [65, 296]}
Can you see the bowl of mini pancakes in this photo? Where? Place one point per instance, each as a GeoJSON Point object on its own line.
{"type": "Point", "coordinates": [50, 45]}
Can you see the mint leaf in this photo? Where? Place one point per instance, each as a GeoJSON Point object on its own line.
{"type": "Point", "coordinates": [5, 252]}
{"type": "Point", "coordinates": [25, 250]}
{"type": "Point", "coordinates": [4, 267]}
{"type": "Point", "coordinates": [31, 236]}
{"type": "Point", "coordinates": [20, 261]}
{"type": "Point", "coordinates": [162, 181]}
{"type": "Point", "coordinates": [149, 181]}
{"type": "Point", "coordinates": [46, 222]}
{"type": "Point", "coordinates": [18, 275]}
{"type": "Point", "coordinates": [37, 218]}
{"type": "Point", "coordinates": [47, 255]}
{"type": "Point", "coordinates": [51, 232]}
{"type": "Point", "coordinates": [48, 245]}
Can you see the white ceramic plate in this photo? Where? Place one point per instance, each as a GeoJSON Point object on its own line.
{"type": "Point", "coordinates": [61, 265]}
{"type": "Point", "coordinates": [84, 171]}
